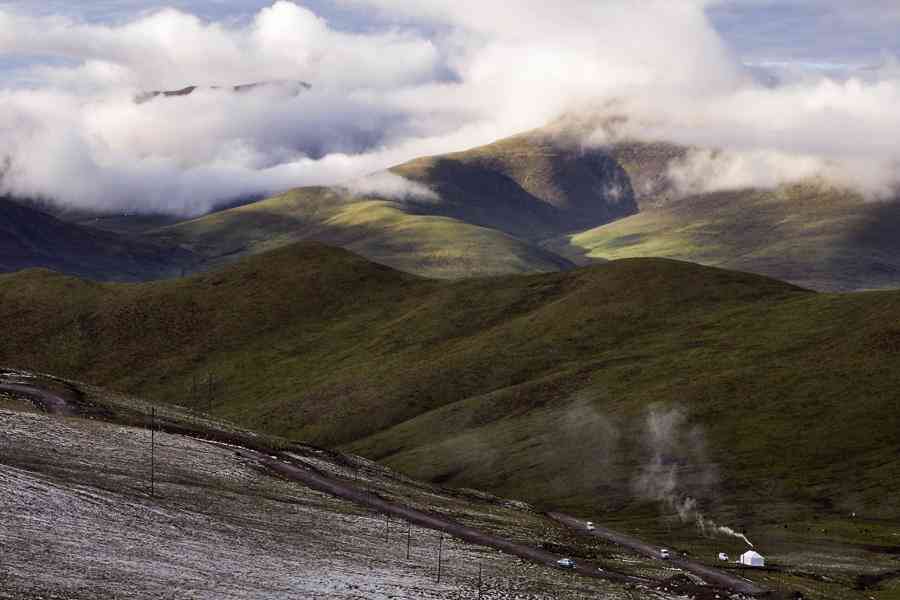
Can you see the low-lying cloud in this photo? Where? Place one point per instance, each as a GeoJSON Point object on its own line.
{"type": "Point", "coordinates": [430, 76]}
{"type": "Point", "coordinates": [390, 186]}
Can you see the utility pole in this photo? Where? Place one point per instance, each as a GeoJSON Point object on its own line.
{"type": "Point", "coordinates": [440, 555]}
{"type": "Point", "coordinates": [153, 452]}
{"type": "Point", "coordinates": [209, 389]}
{"type": "Point", "coordinates": [480, 577]}
{"type": "Point", "coordinates": [408, 537]}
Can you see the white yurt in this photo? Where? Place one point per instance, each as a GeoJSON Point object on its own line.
{"type": "Point", "coordinates": [751, 558]}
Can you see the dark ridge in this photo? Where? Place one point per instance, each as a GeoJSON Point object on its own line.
{"type": "Point", "coordinates": [298, 87]}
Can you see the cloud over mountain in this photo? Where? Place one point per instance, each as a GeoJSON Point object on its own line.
{"type": "Point", "coordinates": [428, 76]}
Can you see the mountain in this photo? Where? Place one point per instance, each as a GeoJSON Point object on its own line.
{"type": "Point", "coordinates": [291, 88]}
{"type": "Point", "coordinates": [811, 233]}
{"type": "Point", "coordinates": [538, 387]}
{"type": "Point", "coordinates": [482, 212]}
{"type": "Point", "coordinates": [531, 185]}
{"type": "Point", "coordinates": [382, 230]}
{"type": "Point", "coordinates": [31, 238]}
{"type": "Point", "coordinates": [536, 202]}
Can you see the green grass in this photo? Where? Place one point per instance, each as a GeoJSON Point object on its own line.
{"type": "Point", "coordinates": [810, 234]}
{"type": "Point", "coordinates": [530, 386]}
{"type": "Point", "coordinates": [493, 206]}
{"type": "Point", "coordinates": [383, 231]}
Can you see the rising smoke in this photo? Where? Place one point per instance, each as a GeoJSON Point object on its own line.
{"type": "Point", "coordinates": [677, 470]}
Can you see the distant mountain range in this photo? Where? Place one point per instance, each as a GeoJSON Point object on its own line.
{"type": "Point", "coordinates": [289, 87]}
{"type": "Point", "coordinates": [530, 203]}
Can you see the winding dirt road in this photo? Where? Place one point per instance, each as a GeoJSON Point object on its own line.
{"type": "Point", "coordinates": [46, 400]}
{"type": "Point", "coordinates": [295, 469]}
{"type": "Point", "coordinates": [708, 574]}
{"type": "Point", "coordinates": [306, 475]}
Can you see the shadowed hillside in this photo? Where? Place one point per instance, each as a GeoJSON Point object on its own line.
{"type": "Point", "coordinates": [493, 205]}
{"type": "Point", "coordinates": [31, 238]}
{"type": "Point", "coordinates": [810, 233]}
{"type": "Point", "coordinates": [530, 185]}
{"type": "Point", "coordinates": [381, 230]}
{"type": "Point", "coordinates": [535, 386]}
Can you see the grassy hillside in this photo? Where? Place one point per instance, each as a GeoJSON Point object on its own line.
{"type": "Point", "coordinates": [32, 238]}
{"type": "Point", "coordinates": [380, 230]}
{"type": "Point", "coordinates": [810, 234]}
{"type": "Point", "coordinates": [221, 526]}
{"type": "Point", "coordinates": [493, 205]}
{"type": "Point", "coordinates": [534, 386]}
{"type": "Point", "coordinates": [531, 185]}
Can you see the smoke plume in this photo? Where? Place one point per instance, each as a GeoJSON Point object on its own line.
{"type": "Point", "coordinates": [677, 471]}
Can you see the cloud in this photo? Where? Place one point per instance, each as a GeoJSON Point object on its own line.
{"type": "Point", "coordinates": [390, 186]}
{"type": "Point", "coordinates": [428, 76]}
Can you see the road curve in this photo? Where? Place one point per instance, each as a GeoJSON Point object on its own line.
{"type": "Point", "coordinates": [46, 400]}
{"type": "Point", "coordinates": [297, 471]}
{"type": "Point", "coordinates": [708, 574]}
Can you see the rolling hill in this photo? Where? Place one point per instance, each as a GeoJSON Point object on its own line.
{"type": "Point", "coordinates": [486, 213]}
{"type": "Point", "coordinates": [810, 233]}
{"type": "Point", "coordinates": [532, 203]}
{"type": "Point", "coordinates": [32, 238]}
{"type": "Point", "coordinates": [538, 386]}
{"type": "Point", "coordinates": [381, 230]}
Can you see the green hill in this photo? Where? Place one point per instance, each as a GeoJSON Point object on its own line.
{"type": "Point", "coordinates": [381, 230]}
{"type": "Point", "coordinates": [32, 238]}
{"type": "Point", "coordinates": [811, 233]}
{"type": "Point", "coordinates": [533, 386]}
{"type": "Point", "coordinates": [491, 207]}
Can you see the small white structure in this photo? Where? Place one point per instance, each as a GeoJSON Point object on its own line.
{"type": "Point", "coordinates": [751, 558]}
{"type": "Point", "coordinates": [723, 556]}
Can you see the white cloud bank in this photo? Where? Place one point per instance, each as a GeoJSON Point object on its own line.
{"type": "Point", "coordinates": [485, 69]}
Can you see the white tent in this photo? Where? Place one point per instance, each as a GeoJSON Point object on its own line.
{"type": "Point", "coordinates": [751, 558]}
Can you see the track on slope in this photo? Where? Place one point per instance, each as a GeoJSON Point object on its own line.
{"type": "Point", "coordinates": [715, 576]}
{"type": "Point", "coordinates": [290, 467]}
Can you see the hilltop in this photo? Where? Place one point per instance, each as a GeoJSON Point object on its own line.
{"type": "Point", "coordinates": [532, 203]}
{"type": "Point", "coordinates": [811, 233]}
{"type": "Point", "coordinates": [533, 386]}
{"type": "Point", "coordinates": [485, 212]}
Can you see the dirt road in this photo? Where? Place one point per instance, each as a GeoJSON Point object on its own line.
{"type": "Point", "coordinates": [708, 574]}
{"type": "Point", "coordinates": [295, 470]}
{"type": "Point", "coordinates": [44, 399]}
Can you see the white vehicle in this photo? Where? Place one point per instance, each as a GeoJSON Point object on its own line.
{"type": "Point", "coordinates": [589, 526]}
{"type": "Point", "coordinates": [665, 554]}
{"type": "Point", "coordinates": [566, 563]}
{"type": "Point", "coordinates": [723, 557]}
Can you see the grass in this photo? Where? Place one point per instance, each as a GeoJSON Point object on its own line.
{"type": "Point", "coordinates": [385, 232]}
{"type": "Point", "coordinates": [810, 234]}
{"type": "Point", "coordinates": [496, 203]}
{"type": "Point", "coordinates": [219, 526]}
{"type": "Point", "coordinates": [534, 386]}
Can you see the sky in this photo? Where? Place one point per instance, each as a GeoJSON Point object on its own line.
{"type": "Point", "coordinates": [785, 89]}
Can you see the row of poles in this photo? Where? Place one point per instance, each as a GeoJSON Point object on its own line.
{"type": "Point", "coordinates": [387, 516]}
